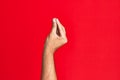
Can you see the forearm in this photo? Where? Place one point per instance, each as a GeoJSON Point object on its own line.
{"type": "Point", "coordinates": [48, 67]}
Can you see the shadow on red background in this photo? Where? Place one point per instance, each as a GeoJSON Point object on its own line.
{"type": "Point", "coordinates": [93, 31]}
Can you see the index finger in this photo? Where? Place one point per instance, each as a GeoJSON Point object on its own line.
{"type": "Point", "coordinates": [59, 25]}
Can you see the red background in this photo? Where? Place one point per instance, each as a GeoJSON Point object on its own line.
{"type": "Point", "coordinates": [93, 31]}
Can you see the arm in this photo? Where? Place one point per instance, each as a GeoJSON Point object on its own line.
{"type": "Point", "coordinates": [55, 39]}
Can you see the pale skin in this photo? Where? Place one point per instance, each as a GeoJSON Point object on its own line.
{"type": "Point", "coordinates": [55, 40]}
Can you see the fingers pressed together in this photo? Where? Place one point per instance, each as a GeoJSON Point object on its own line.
{"type": "Point", "coordinates": [58, 28]}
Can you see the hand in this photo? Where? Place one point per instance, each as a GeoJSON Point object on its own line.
{"type": "Point", "coordinates": [57, 36]}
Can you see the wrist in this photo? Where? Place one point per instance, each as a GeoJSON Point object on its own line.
{"type": "Point", "coordinates": [49, 51]}
{"type": "Point", "coordinates": [49, 47]}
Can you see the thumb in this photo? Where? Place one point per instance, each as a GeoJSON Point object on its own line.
{"type": "Point", "coordinates": [54, 25]}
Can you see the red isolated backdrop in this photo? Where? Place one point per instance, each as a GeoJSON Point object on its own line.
{"type": "Point", "coordinates": [93, 31]}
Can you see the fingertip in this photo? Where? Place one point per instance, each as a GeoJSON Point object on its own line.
{"type": "Point", "coordinates": [58, 21]}
{"type": "Point", "coordinates": [55, 19]}
{"type": "Point", "coordinates": [54, 22]}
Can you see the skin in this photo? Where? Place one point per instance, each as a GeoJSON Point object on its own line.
{"type": "Point", "coordinates": [55, 40]}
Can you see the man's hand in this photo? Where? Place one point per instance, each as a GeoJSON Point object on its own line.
{"type": "Point", "coordinates": [55, 39]}
{"type": "Point", "coordinates": [57, 36]}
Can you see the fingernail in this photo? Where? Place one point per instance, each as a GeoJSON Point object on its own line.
{"type": "Point", "coordinates": [54, 20]}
